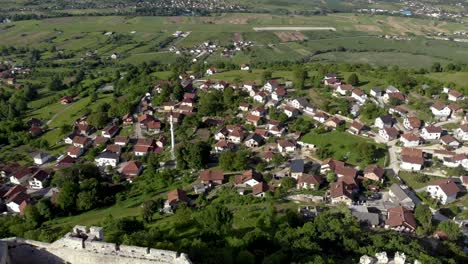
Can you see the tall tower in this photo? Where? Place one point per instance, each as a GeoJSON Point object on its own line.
{"type": "Point", "coordinates": [172, 137]}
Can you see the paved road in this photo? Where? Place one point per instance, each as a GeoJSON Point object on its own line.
{"type": "Point", "coordinates": [392, 151]}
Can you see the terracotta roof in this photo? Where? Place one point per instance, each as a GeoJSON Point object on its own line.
{"type": "Point", "coordinates": [358, 92]}
{"type": "Point", "coordinates": [357, 125]}
{"type": "Point", "coordinates": [253, 118]}
{"type": "Point", "coordinates": [142, 148]}
{"type": "Point", "coordinates": [447, 139]}
{"type": "Point", "coordinates": [455, 93]}
{"type": "Point", "coordinates": [438, 105]}
{"type": "Point", "coordinates": [309, 179]}
{"type": "Point", "coordinates": [246, 176]}
{"type": "Point", "coordinates": [412, 152]}
{"type": "Point", "coordinates": [114, 148]}
{"type": "Point", "coordinates": [67, 161]}
{"type": "Point", "coordinates": [345, 171]}
{"type": "Point", "coordinates": [412, 160]}
{"type": "Point", "coordinates": [260, 188]}
{"type": "Point", "coordinates": [99, 140]}
{"type": "Point", "coordinates": [177, 195]}
{"type": "Point", "coordinates": [18, 198]}
{"type": "Point", "coordinates": [448, 186]}
{"type": "Point", "coordinates": [81, 140]}
{"type": "Point", "coordinates": [74, 151]}
{"type": "Point", "coordinates": [376, 169]}
{"type": "Point", "coordinates": [333, 163]}
{"type": "Point", "coordinates": [410, 137]}
{"type": "Point", "coordinates": [433, 129]}
{"type": "Point", "coordinates": [212, 175]}
{"type": "Point", "coordinates": [120, 139]}
{"type": "Point", "coordinates": [286, 143]}
{"type": "Point", "coordinates": [400, 216]}
{"type": "Point", "coordinates": [13, 190]}
{"type": "Point", "coordinates": [132, 168]}
{"type": "Point", "coordinates": [145, 142]}
{"type": "Point", "coordinates": [391, 132]}
{"type": "Point", "coordinates": [414, 122]}
{"type": "Point", "coordinates": [337, 189]}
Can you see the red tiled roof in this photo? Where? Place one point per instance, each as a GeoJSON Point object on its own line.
{"type": "Point", "coordinates": [448, 186]}
{"type": "Point", "coordinates": [212, 175]}
{"type": "Point", "coordinates": [260, 188]}
{"type": "Point", "coordinates": [177, 195]}
{"type": "Point", "coordinates": [132, 168]}
{"type": "Point", "coordinates": [401, 216]}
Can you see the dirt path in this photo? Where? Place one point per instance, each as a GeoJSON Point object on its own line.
{"type": "Point", "coordinates": [293, 28]}
{"type": "Point", "coordinates": [57, 114]}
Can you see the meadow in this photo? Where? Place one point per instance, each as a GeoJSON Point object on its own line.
{"type": "Point", "coordinates": [355, 40]}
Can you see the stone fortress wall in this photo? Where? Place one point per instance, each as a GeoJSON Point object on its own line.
{"type": "Point", "coordinates": [84, 246]}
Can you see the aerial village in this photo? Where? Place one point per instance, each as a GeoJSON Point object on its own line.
{"type": "Point", "coordinates": [375, 192]}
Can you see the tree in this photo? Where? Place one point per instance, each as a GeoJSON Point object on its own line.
{"type": "Point", "coordinates": [299, 75]}
{"type": "Point", "coordinates": [266, 76]}
{"type": "Point", "coordinates": [150, 207]}
{"type": "Point", "coordinates": [436, 67]}
{"type": "Point", "coordinates": [65, 129]}
{"type": "Point", "coordinates": [55, 84]}
{"type": "Point", "coordinates": [87, 200]}
{"type": "Point", "coordinates": [67, 196]}
{"type": "Point", "coordinates": [331, 177]}
{"type": "Point", "coordinates": [287, 183]}
{"type": "Point", "coordinates": [353, 79]}
{"type": "Point", "coordinates": [451, 229]}
{"type": "Point", "coordinates": [423, 214]}
{"type": "Point", "coordinates": [98, 120]}
{"type": "Point", "coordinates": [32, 215]}
{"type": "Point", "coordinates": [44, 207]}
{"type": "Point", "coordinates": [366, 152]}
{"type": "Point", "coordinates": [216, 219]}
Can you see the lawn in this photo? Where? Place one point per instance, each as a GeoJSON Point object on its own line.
{"type": "Point", "coordinates": [343, 145]}
{"type": "Point", "coordinates": [459, 78]}
{"type": "Point", "coordinates": [413, 181]}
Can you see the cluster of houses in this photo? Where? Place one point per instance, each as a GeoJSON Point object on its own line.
{"type": "Point", "coordinates": [10, 72]}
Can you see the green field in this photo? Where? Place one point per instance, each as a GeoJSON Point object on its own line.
{"type": "Point", "coordinates": [459, 78]}
{"type": "Point", "coordinates": [343, 144]}
{"type": "Point", "coordinates": [357, 34]}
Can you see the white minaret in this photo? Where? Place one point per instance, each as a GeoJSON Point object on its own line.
{"type": "Point", "coordinates": [172, 137]}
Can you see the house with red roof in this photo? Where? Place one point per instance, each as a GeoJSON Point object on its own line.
{"type": "Point", "coordinates": [212, 177]}
{"type": "Point", "coordinates": [443, 190]}
{"type": "Point", "coordinates": [401, 219]}
{"type": "Point", "coordinates": [308, 182]}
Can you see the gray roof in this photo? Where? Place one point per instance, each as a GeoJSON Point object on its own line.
{"type": "Point", "coordinates": [297, 166]}
{"type": "Point", "coordinates": [404, 197]}
{"type": "Point", "coordinates": [369, 218]}
{"type": "Point", "coordinates": [398, 192]}
{"type": "Point", "coordinates": [41, 155]}
{"type": "Point", "coordinates": [108, 155]}
{"type": "Point", "coordinates": [377, 89]}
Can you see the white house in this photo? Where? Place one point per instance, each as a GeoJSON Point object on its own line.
{"type": "Point", "coordinates": [107, 159]}
{"type": "Point", "coordinates": [344, 89]}
{"type": "Point", "coordinates": [300, 103]}
{"type": "Point", "coordinates": [410, 140]}
{"type": "Point", "coordinates": [359, 96]}
{"type": "Point", "coordinates": [245, 67]}
{"type": "Point", "coordinates": [440, 110]}
{"type": "Point", "coordinates": [411, 163]}
{"type": "Point", "coordinates": [461, 133]}
{"type": "Point", "coordinates": [286, 146]}
{"type": "Point", "coordinates": [454, 95]}
{"type": "Point", "coordinates": [14, 203]}
{"type": "Point", "coordinates": [290, 111]}
{"type": "Point", "coordinates": [411, 123]}
{"type": "Point", "coordinates": [41, 158]}
{"type": "Point", "coordinates": [389, 133]}
{"type": "Point", "coordinates": [384, 121]}
{"type": "Point", "coordinates": [456, 161]}
{"type": "Point", "coordinates": [450, 141]}
{"type": "Point", "coordinates": [431, 132]}
{"type": "Point", "coordinates": [270, 86]}
{"type": "Point", "coordinates": [260, 97]}
{"type": "Point", "coordinates": [211, 71]}
{"type": "Point", "coordinates": [443, 190]}
{"type": "Point", "coordinates": [38, 179]}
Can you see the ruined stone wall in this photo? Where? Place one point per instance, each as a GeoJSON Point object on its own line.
{"type": "Point", "coordinates": [76, 251]}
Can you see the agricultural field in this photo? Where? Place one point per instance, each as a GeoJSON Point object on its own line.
{"type": "Point", "coordinates": [137, 39]}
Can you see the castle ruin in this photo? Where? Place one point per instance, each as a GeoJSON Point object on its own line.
{"type": "Point", "coordinates": [83, 246]}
